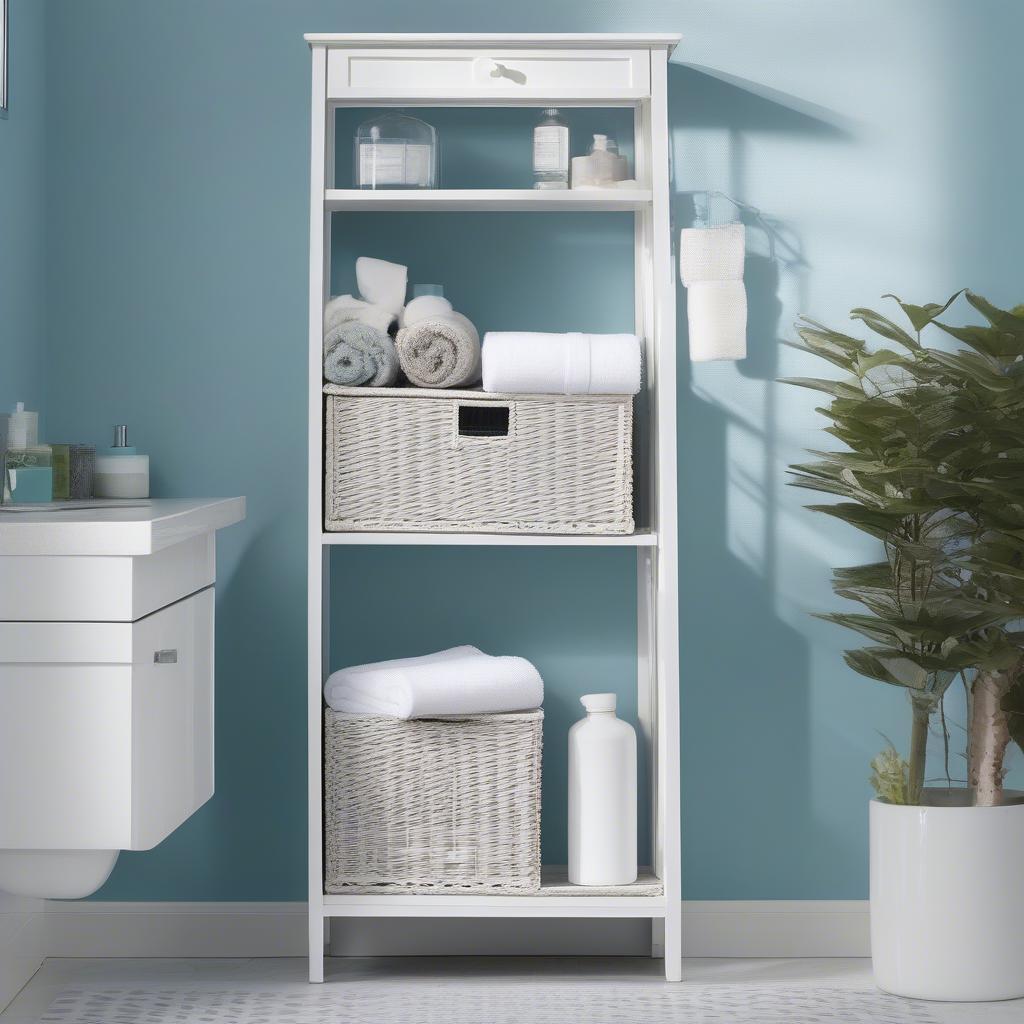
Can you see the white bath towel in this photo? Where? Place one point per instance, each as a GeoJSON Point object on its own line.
{"type": "Point", "coordinates": [458, 681]}
{"type": "Point", "coordinates": [711, 267]}
{"type": "Point", "coordinates": [561, 364]}
{"type": "Point", "coordinates": [717, 313]}
{"type": "Point", "coordinates": [382, 283]}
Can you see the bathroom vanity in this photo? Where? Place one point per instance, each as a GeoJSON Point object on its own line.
{"type": "Point", "coordinates": [106, 683]}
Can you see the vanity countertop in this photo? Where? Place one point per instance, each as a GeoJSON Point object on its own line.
{"type": "Point", "coordinates": [100, 527]}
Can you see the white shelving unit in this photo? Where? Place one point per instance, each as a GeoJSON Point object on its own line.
{"type": "Point", "coordinates": [527, 71]}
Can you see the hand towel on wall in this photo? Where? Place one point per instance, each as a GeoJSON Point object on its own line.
{"type": "Point", "coordinates": [440, 351]}
{"type": "Point", "coordinates": [458, 681]}
{"type": "Point", "coordinates": [561, 364]}
{"type": "Point", "coordinates": [711, 267]}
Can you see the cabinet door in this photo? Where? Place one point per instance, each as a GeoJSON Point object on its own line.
{"type": "Point", "coordinates": [106, 729]}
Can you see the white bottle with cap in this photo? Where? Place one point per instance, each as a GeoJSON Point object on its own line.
{"type": "Point", "coordinates": [602, 796]}
{"type": "Point", "coordinates": [121, 471]}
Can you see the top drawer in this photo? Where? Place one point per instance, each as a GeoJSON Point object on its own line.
{"type": "Point", "coordinates": [476, 74]}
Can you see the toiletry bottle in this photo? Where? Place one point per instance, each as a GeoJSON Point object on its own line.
{"type": "Point", "coordinates": [602, 796]}
{"type": "Point", "coordinates": [551, 151]}
{"type": "Point", "coordinates": [121, 472]}
{"type": "Point", "coordinates": [604, 164]}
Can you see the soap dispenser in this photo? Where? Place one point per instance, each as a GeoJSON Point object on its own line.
{"type": "Point", "coordinates": [121, 471]}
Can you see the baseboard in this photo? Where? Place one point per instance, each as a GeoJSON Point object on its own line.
{"type": "Point", "coordinates": [776, 928]}
{"type": "Point", "coordinates": [758, 928]}
{"type": "Point", "coordinates": [21, 944]}
{"type": "Point", "coordinates": [115, 929]}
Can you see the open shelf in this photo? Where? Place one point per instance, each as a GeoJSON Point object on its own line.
{"type": "Point", "coordinates": [481, 199]}
{"type": "Point", "coordinates": [557, 898]}
{"type": "Point", "coordinates": [638, 539]}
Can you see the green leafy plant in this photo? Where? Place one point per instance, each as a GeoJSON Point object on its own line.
{"type": "Point", "coordinates": [933, 467]}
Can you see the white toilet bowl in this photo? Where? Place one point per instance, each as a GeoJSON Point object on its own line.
{"type": "Point", "coordinates": [55, 874]}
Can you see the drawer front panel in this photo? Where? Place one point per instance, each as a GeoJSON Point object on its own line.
{"type": "Point", "coordinates": [469, 73]}
{"type": "Point", "coordinates": [106, 729]}
{"type": "Point", "coordinates": [103, 588]}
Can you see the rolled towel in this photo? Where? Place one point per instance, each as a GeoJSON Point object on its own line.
{"type": "Point", "coordinates": [458, 681]}
{"type": "Point", "coordinates": [343, 308]}
{"type": "Point", "coordinates": [424, 306]}
{"type": "Point", "coordinates": [382, 283]}
{"type": "Point", "coordinates": [440, 352]}
{"type": "Point", "coordinates": [717, 312]}
{"type": "Point", "coordinates": [711, 267]}
{"type": "Point", "coordinates": [561, 364]}
{"type": "Point", "coordinates": [357, 354]}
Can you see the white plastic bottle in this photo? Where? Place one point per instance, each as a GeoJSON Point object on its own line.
{"type": "Point", "coordinates": [602, 796]}
{"type": "Point", "coordinates": [551, 151]}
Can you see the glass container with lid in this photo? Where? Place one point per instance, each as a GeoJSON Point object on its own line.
{"type": "Point", "coordinates": [395, 150]}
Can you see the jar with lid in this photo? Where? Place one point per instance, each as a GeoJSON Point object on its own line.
{"type": "Point", "coordinates": [395, 150]}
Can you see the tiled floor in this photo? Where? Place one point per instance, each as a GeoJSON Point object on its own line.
{"type": "Point", "coordinates": [478, 990]}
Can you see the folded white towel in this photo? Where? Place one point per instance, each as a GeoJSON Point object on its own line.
{"type": "Point", "coordinates": [459, 681]}
{"type": "Point", "coordinates": [712, 254]}
{"type": "Point", "coordinates": [382, 283]}
{"type": "Point", "coordinates": [717, 313]}
{"type": "Point", "coordinates": [561, 364]}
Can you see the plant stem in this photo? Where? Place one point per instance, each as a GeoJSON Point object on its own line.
{"type": "Point", "coordinates": [918, 748]}
{"type": "Point", "coordinates": [990, 734]}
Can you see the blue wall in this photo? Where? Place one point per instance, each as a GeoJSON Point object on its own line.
{"type": "Point", "coordinates": [22, 167]}
{"type": "Point", "coordinates": [870, 135]}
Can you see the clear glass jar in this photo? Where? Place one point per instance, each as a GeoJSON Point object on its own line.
{"type": "Point", "coordinates": [395, 150]}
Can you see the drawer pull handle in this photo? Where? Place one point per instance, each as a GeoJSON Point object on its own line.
{"type": "Point", "coordinates": [498, 70]}
{"type": "Point", "coordinates": [484, 420]}
{"type": "Point", "coordinates": [168, 657]}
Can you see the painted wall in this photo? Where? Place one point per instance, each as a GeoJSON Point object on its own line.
{"type": "Point", "coordinates": [22, 206]}
{"type": "Point", "coordinates": [872, 137]}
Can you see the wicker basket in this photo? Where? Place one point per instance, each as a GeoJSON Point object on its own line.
{"type": "Point", "coordinates": [432, 805]}
{"type": "Point", "coordinates": [467, 461]}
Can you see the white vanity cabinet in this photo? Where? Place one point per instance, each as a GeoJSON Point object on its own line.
{"type": "Point", "coordinates": [106, 672]}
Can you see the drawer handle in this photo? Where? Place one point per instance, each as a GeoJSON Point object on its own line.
{"type": "Point", "coordinates": [168, 657]}
{"type": "Point", "coordinates": [498, 70]}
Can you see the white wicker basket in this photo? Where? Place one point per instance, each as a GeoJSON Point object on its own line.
{"type": "Point", "coordinates": [432, 805]}
{"type": "Point", "coordinates": [466, 461]}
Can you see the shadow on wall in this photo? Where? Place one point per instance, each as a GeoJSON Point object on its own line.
{"type": "Point", "coordinates": [746, 688]}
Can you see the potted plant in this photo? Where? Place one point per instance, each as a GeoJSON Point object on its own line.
{"type": "Point", "coordinates": [933, 467]}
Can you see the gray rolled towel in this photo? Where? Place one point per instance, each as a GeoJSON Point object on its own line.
{"type": "Point", "coordinates": [358, 354]}
{"type": "Point", "coordinates": [440, 352]}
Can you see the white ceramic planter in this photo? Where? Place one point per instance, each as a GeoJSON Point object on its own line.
{"type": "Point", "coordinates": [947, 901]}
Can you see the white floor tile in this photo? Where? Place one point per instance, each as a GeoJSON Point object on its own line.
{"type": "Point", "coordinates": [492, 990]}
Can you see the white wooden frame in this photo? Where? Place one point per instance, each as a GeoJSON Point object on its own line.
{"type": "Point", "coordinates": [655, 539]}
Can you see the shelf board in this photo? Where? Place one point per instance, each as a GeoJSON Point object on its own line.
{"type": "Point", "coordinates": [523, 199]}
{"type": "Point", "coordinates": [639, 539]}
{"type": "Point", "coordinates": [556, 898]}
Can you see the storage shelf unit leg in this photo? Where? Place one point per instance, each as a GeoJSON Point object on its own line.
{"type": "Point", "coordinates": [549, 70]}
